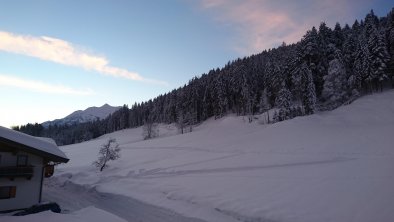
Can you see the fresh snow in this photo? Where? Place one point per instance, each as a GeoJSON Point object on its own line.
{"type": "Point", "coordinates": [39, 143]}
{"type": "Point", "coordinates": [82, 116]}
{"type": "Point", "coordinates": [331, 166]}
{"type": "Point", "coordinates": [83, 215]}
{"type": "Point", "coordinates": [73, 197]}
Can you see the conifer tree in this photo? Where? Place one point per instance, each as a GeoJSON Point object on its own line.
{"type": "Point", "coordinates": [309, 98]}
{"type": "Point", "coordinates": [264, 104]}
{"type": "Point", "coordinates": [378, 56]}
{"type": "Point", "coordinates": [283, 102]}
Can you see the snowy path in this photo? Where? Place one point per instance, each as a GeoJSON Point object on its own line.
{"type": "Point", "coordinates": [73, 197]}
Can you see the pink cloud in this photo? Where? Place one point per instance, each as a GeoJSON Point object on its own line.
{"type": "Point", "coordinates": [263, 24]}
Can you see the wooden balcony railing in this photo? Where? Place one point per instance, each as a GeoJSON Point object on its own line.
{"type": "Point", "coordinates": [16, 171]}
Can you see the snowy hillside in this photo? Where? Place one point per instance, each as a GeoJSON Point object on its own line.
{"type": "Point", "coordinates": [81, 116]}
{"type": "Point", "coordinates": [332, 166]}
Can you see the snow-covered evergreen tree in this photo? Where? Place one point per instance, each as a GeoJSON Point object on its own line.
{"type": "Point", "coordinates": [378, 53]}
{"type": "Point", "coordinates": [338, 36]}
{"type": "Point", "coordinates": [362, 62]}
{"type": "Point", "coordinates": [309, 97]}
{"type": "Point", "coordinates": [222, 97]}
{"type": "Point", "coordinates": [335, 82]}
{"type": "Point", "coordinates": [264, 105]}
{"type": "Point", "coordinates": [283, 102]}
{"type": "Point", "coordinates": [390, 41]}
{"type": "Point", "coordinates": [380, 58]}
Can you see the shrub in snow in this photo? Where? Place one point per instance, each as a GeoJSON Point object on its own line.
{"type": "Point", "coordinates": [108, 151]}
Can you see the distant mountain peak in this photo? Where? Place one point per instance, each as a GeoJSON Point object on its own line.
{"type": "Point", "coordinates": [81, 116]}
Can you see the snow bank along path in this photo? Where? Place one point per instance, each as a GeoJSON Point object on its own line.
{"type": "Point", "coordinates": [331, 166]}
{"type": "Point", "coordinates": [74, 197]}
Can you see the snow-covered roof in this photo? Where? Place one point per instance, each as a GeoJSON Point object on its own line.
{"type": "Point", "coordinates": [38, 145]}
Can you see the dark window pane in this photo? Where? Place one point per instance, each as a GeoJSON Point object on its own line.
{"type": "Point", "coordinates": [21, 160]}
{"type": "Point", "coordinates": [7, 192]}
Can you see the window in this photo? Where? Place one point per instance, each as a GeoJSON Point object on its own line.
{"type": "Point", "coordinates": [7, 192]}
{"type": "Point", "coordinates": [21, 160]}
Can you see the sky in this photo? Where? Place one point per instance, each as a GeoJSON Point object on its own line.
{"type": "Point", "coordinates": [57, 57]}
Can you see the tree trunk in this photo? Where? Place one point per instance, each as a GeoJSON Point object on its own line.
{"type": "Point", "coordinates": [102, 167]}
{"type": "Point", "coordinates": [268, 117]}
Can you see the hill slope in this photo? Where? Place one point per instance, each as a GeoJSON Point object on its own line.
{"type": "Point", "coordinates": [332, 166]}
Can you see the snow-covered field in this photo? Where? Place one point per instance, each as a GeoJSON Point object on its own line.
{"type": "Point", "coordinates": [332, 166]}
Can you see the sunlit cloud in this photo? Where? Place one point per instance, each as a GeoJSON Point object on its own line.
{"type": "Point", "coordinates": [36, 86]}
{"type": "Point", "coordinates": [263, 24]}
{"type": "Point", "coordinates": [63, 52]}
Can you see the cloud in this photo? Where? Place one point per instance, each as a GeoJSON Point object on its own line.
{"type": "Point", "coordinates": [36, 86]}
{"type": "Point", "coordinates": [63, 52]}
{"type": "Point", "coordinates": [263, 24]}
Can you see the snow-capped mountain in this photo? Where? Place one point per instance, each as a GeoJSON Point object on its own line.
{"type": "Point", "coordinates": [82, 116]}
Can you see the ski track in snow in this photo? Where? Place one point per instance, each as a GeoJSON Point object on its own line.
{"type": "Point", "coordinates": [156, 173]}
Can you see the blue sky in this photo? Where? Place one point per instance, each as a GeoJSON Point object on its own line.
{"type": "Point", "coordinates": [60, 56]}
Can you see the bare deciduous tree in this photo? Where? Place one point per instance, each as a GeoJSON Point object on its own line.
{"type": "Point", "coordinates": [181, 122]}
{"type": "Point", "coordinates": [150, 130]}
{"type": "Point", "coordinates": [108, 151]}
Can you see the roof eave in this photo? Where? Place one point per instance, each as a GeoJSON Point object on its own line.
{"type": "Point", "coordinates": [32, 150]}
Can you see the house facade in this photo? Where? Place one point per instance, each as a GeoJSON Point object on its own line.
{"type": "Point", "coordinates": [24, 162]}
